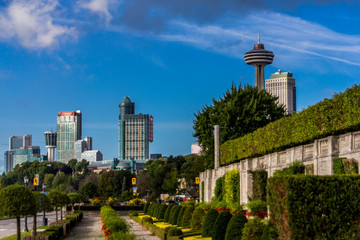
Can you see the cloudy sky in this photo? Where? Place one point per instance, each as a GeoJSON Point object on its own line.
{"type": "Point", "coordinates": [170, 57]}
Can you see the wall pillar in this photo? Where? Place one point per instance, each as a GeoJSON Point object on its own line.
{"type": "Point", "coordinates": [217, 143]}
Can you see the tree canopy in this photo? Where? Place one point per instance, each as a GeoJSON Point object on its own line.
{"type": "Point", "coordinates": [241, 110]}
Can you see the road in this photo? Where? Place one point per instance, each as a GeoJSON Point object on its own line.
{"type": "Point", "coordinates": [8, 226]}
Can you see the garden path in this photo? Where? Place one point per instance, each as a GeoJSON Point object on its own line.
{"type": "Point", "coordinates": [88, 228]}
{"type": "Point", "coordinates": [140, 231]}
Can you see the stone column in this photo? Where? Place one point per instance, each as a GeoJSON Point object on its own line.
{"type": "Point", "coordinates": [217, 146]}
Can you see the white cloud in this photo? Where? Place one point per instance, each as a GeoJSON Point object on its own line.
{"type": "Point", "coordinates": [100, 7]}
{"type": "Point", "coordinates": [288, 37]}
{"type": "Point", "coordinates": [31, 23]}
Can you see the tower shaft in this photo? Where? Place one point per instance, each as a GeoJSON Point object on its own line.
{"type": "Point", "coordinates": [259, 76]}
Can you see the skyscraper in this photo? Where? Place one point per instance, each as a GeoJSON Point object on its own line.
{"type": "Point", "coordinates": [282, 85]}
{"type": "Point", "coordinates": [259, 57]}
{"type": "Point", "coordinates": [68, 132]}
{"type": "Point", "coordinates": [135, 132]}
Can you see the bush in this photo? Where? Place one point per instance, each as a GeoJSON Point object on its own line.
{"type": "Point", "coordinates": [133, 213]}
{"type": "Point", "coordinates": [220, 225]}
{"type": "Point", "coordinates": [232, 187]}
{"type": "Point", "coordinates": [176, 215]}
{"type": "Point", "coordinates": [146, 207]}
{"type": "Point", "coordinates": [110, 201]}
{"type": "Point", "coordinates": [167, 213]}
{"type": "Point", "coordinates": [186, 219]}
{"type": "Point", "coordinates": [181, 214]}
{"type": "Point", "coordinates": [151, 209]}
{"type": "Point", "coordinates": [208, 224]}
{"type": "Point", "coordinates": [112, 223]}
{"type": "Point", "coordinates": [235, 227]}
{"type": "Point", "coordinates": [219, 189]}
{"type": "Point", "coordinates": [350, 166]}
{"type": "Point", "coordinates": [155, 210]}
{"type": "Point", "coordinates": [197, 218]}
{"type": "Point", "coordinates": [172, 213]}
{"type": "Point", "coordinates": [295, 168]}
{"type": "Point", "coordinates": [307, 207]}
{"type": "Point", "coordinates": [328, 117]}
{"type": "Point", "coordinates": [162, 211]}
{"type": "Point", "coordinates": [258, 207]}
{"type": "Point", "coordinates": [253, 229]}
{"type": "Point", "coordinates": [173, 231]}
{"type": "Point", "coordinates": [147, 219]}
{"type": "Point", "coordinates": [95, 202]}
{"type": "Point", "coordinates": [259, 178]}
{"type": "Point", "coordinates": [270, 232]}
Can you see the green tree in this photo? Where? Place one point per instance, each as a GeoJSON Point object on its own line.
{"type": "Point", "coordinates": [72, 164]}
{"type": "Point", "coordinates": [40, 203]}
{"type": "Point", "coordinates": [64, 202]}
{"type": "Point", "coordinates": [56, 200]}
{"type": "Point", "coordinates": [73, 199]}
{"type": "Point", "coordinates": [82, 166]}
{"type": "Point", "coordinates": [241, 110]}
{"type": "Point", "coordinates": [48, 180]}
{"type": "Point", "coordinates": [88, 189]}
{"type": "Point", "coordinates": [16, 200]}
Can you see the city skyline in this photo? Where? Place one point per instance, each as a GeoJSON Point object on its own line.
{"type": "Point", "coordinates": [171, 62]}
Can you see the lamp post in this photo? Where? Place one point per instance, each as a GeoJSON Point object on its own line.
{"type": "Point", "coordinates": [44, 221]}
{"type": "Point", "coordinates": [26, 181]}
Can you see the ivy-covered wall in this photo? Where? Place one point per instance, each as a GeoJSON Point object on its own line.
{"type": "Point", "coordinates": [328, 117]}
{"type": "Point", "coordinates": [232, 187]}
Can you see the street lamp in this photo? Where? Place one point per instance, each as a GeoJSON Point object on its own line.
{"type": "Point", "coordinates": [26, 181]}
{"type": "Point", "coordinates": [44, 219]}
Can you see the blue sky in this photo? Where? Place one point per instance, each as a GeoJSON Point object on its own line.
{"type": "Point", "coordinates": [170, 57]}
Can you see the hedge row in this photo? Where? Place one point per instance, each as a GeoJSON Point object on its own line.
{"type": "Point", "coordinates": [328, 117]}
{"type": "Point", "coordinates": [116, 207]}
{"type": "Point", "coordinates": [315, 207]}
{"type": "Point", "coordinates": [114, 227]}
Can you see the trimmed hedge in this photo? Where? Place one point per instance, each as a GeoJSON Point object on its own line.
{"type": "Point", "coordinates": [219, 189]}
{"type": "Point", "coordinates": [181, 214]}
{"type": "Point", "coordinates": [162, 211]}
{"type": "Point", "coordinates": [172, 213]}
{"type": "Point", "coordinates": [208, 224]}
{"type": "Point", "coordinates": [176, 215]}
{"type": "Point", "coordinates": [315, 207]}
{"type": "Point", "coordinates": [151, 209]}
{"type": "Point", "coordinates": [186, 219]}
{"type": "Point", "coordinates": [146, 207]}
{"type": "Point", "coordinates": [167, 213]}
{"type": "Point", "coordinates": [173, 231]}
{"type": "Point", "coordinates": [220, 225]}
{"type": "Point", "coordinates": [113, 225]}
{"type": "Point", "coordinates": [235, 227]}
{"type": "Point", "coordinates": [328, 117]}
{"type": "Point", "coordinates": [197, 218]}
{"type": "Point", "coordinates": [116, 208]}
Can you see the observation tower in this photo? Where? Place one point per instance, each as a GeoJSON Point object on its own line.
{"type": "Point", "coordinates": [259, 57]}
{"type": "Point", "coordinates": [50, 143]}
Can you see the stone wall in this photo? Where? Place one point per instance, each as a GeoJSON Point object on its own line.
{"type": "Point", "coordinates": [320, 154]}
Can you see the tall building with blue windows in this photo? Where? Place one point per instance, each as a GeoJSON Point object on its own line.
{"type": "Point", "coordinates": [135, 132]}
{"type": "Point", "coordinates": [69, 126]}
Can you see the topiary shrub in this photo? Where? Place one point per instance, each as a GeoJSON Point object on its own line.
{"type": "Point", "coordinates": [162, 211]}
{"type": "Point", "coordinates": [167, 213]}
{"type": "Point", "coordinates": [253, 229]}
{"type": "Point", "coordinates": [173, 231]}
{"type": "Point", "coordinates": [197, 218]}
{"type": "Point", "coordinates": [146, 207]}
{"type": "Point", "coordinates": [156, 209]}
{"type": "Point", "coordinates": [220, 225]}
{"type": "Point", "coordinates": [235, 227]}
{"type": "Point", "coordinates": [270, 232]}
{"type": "Point", "coordinates": [186, 219]}
{"type": "Point", "coordinates": [147, 219]}
{"type": "Point", "coordinates": [181, 214]}
{"type": "Point", "coordinates": [151, 209]}
{"type": "Point", "coordinates": [208, 224]}
{"type": "Point", "coordinates": [172, 213]}
{"type": "Point", "coordinates": [176, 215]}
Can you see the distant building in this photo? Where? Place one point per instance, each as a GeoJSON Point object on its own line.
{"type": "Point", "coordinates": [68, 132]}
{"type": "Point", "coordinates": [20, 142]}
{"type": "Point", "coordinates": [196, 148]}
{"type": "Point", "coordinates": [92, 156]}
{"type": "Point", "coordinates": [80, 147]}
{"type": "Point", "coordinates": [282, 85]}
{"type": "Point", "coordinates": [155, 156]}
{"type": "Point", "coordinates": [50, 143]}
{"type": "Point", "coordinates": [88, 143]}
{"type": "Point", "coordinates": [135, 132]}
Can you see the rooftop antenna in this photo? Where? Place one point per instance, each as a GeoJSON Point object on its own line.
{"type": "Point", "coordinates": [258, 37]}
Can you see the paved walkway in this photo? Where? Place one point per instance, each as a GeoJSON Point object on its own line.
{"type": "Point", "coordinates": [88, 228]}
{"type": "Point", "coordinates": [140, 231]}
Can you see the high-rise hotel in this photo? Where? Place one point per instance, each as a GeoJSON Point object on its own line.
{"type": "Point", "coordinates": [282, 85]}
{"type": "Point", "coordinates": [68, 132]}
{"type": "Point", "coordinates": [135, 132]}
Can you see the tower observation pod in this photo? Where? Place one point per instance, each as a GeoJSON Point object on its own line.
{"type": "Point", "coordinates": [50, 143]}
{"type": "Point", "coordinates": [259, 57]}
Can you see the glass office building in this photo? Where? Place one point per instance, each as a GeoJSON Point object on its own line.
{"type": "Point", "coordinates": [135, 132]}
{"type": "Point", "coordinates": [68, 132]}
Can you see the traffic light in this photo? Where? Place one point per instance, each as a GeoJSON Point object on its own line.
{"type": "Point", "coordinates": [36, 182]}
{"type": "Point", "coordinates": [197, 180]}
{"type": "Point", "coordinates": [133, 180]}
